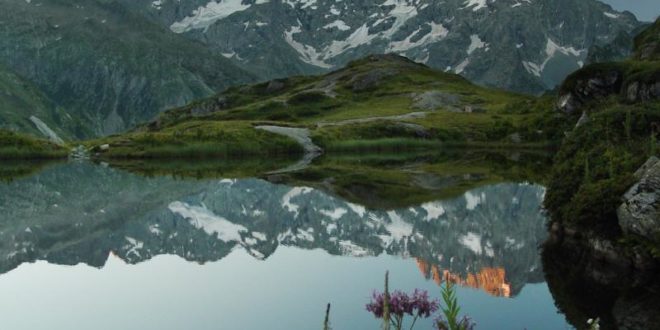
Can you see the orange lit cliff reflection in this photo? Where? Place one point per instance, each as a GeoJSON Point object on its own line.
{"type": "Point", "coordinates": [491, 280]}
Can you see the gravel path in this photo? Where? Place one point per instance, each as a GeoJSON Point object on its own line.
{"type": "Point", "coordinates": [411, 115]}
{"type": "Point", "coordinates": [302, 136]}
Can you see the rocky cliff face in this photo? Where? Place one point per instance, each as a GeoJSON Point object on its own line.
{"type": "Point", "coordinates": [634, 81]}
{"type": "Point", "coordinates": [522, 45]}
{"type": "Point", "coordinates": [104, 66]}
{"type": "Point", "coordinates": [108, 65]}
{"type": "Point", "coordinates": [640, 212]}
{"type": "Point", "coordinates": [24, 108]}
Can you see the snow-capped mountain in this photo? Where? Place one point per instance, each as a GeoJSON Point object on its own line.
{"type": "Point", "coordinates": [521, 45]}
{"type": "Point", "coordinates": [98, 67]}
{"type": "Point", "coordinates": [136, 218]}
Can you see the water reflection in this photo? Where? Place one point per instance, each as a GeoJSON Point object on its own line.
{"type": "Point", "coordinates": [585, 287]}
{"type": "Point", "coordinates": [80, 213]}
{"type": "Point", "coordinates": [317, 231]}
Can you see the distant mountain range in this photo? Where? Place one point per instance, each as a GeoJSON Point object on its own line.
{"type": "Point", "coordinates": [101, 66]}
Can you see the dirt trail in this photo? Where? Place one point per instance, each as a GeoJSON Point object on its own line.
{"type": "Point", "coordinates": [411, 115]}
{"type": "Point", "coordinates": [300, 135]}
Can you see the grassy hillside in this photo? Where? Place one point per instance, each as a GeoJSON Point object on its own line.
{"type": "Point", "coordinates": [383, 101]}
{"type": "Point", "coordinates": [18, 146]}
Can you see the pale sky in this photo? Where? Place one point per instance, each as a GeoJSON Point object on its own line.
{"type": "Point", "coordinates": [645, 10]}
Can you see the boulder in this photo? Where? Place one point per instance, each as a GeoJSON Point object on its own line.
{"type": "Point", "coordinates": [433, 100]}
{"type": "Point", "coordinates": [643, 91]}
{"type": "Point", "coordinates": [640, 212]}
{"type": "Point", "coordinates": [592, 86]}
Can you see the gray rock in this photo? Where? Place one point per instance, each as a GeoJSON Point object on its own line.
{"type": "Point", "coordinates": [433, 100]}
{"type": "Point", "coordinates": [515, 138]}
{"type": "Point", "coordinates": [643, 91]}
{"type": "Point", "coordinates": [640, 212]}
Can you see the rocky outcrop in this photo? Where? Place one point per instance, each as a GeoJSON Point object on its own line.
{"type": "Point", "coordinates": [433, 100]}
{"type": "Point", "coordinates": [640, 212]}
{"type": "Point", "coordinates": [585, 87]}
{"type": "Point", "coordinates": [639, 91]}
{"type": "Point", "coordinates": [647, 43]}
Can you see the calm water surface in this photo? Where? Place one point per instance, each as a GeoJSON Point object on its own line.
{"type": "Point", "coordinates": [85, 246]}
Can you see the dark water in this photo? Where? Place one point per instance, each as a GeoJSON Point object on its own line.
{"type": "Point", "coordinates": [85, 246]}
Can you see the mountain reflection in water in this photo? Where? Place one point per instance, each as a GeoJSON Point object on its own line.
{"type": "Point", "coordinates": [485, 238]}
{"type": "Point", "coordinates": [80, 213]}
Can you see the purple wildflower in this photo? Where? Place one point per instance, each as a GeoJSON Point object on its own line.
{"type": "Point", "coordinates": [401, 304]}
{"type": "Point", "coordinates": [422, 304]}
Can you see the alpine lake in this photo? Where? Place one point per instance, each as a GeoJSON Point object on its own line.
{"type": "Point", "coordinates": [242, 245]}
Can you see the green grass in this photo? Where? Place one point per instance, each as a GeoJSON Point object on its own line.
{"type": "Point", "coordinates": [386, 180]}
{"type": "Point", "coordinates": [382, 145]}
{"type": "Point", "coordinates": [502, 119]}
{"type": "Point", "coordinates": [15, 169]}
{"type": "Point", "coordinates": [594, 166]}
{"type": "Point", "coordinates": [18, 146]}
{"type": "Point", "coordinates": [197, 139]}
{"type": "Point", "coordinates": [245, 167]}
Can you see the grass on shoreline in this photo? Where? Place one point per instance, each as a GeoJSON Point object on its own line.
{"type": "Point", "coordinates": [196, 140]}
{"type": "Point", "coordinates": [18, 146]}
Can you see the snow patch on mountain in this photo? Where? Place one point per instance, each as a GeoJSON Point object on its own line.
{"type": "Point", "coordinates": [437, 33]}
{"type": "Point", "coordinates": [433, 210]}
{"type": "Point", "coordinates": [471, 241]}
{"type": "Point", "coordinates": [335, 214]}
{"type": "Point", "coordinates": [294, 192]}
{"type": "Point", "coordinates": [339, 24]}
{"type": "Point", "coordinates": [551, 50]}
{"type": "Point", "coordinates": [611, 15]}
{"type": "Point", "coordinates": [205, 16]}
{"type": "Point", "coordinates": [202, 218]}
{"type": "Point", "coordinates": [308, 54]}
{"type": "Point", "coordinates": [45, 130]}
{"type": "Point", "coordinates": [475, 4]}
{"type": "Point", "coordinates": [475, 43]}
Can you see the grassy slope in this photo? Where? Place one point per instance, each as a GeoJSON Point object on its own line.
{"type": "Point", "coordinates": [198, 139]}
{"type": "Point", "coordinates": [372, 87]}
{"type": "Point", "coordinates": [18, 146]}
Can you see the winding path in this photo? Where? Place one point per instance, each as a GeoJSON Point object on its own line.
{"type": "Point", "coordinates": [411, 115]}
{"type": "Point", "coordinates": [312, 151]}
{"type": "Point", "coordinates": [300, 135]}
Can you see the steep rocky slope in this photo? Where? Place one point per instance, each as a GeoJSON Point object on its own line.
{"type": "Point", "coordinates": [521, 45]}
{"type": "Point", "coordinates": [103, 65]}
{"type": "Point", "coordinates": [24, 108]}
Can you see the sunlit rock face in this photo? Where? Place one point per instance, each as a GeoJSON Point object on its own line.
{"type": "Point", "coordinates": [498, 43]}
{"type": "Point", "coordinates": [80, 213]}
{"type": "Point", "coordinates": [491, 280]}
